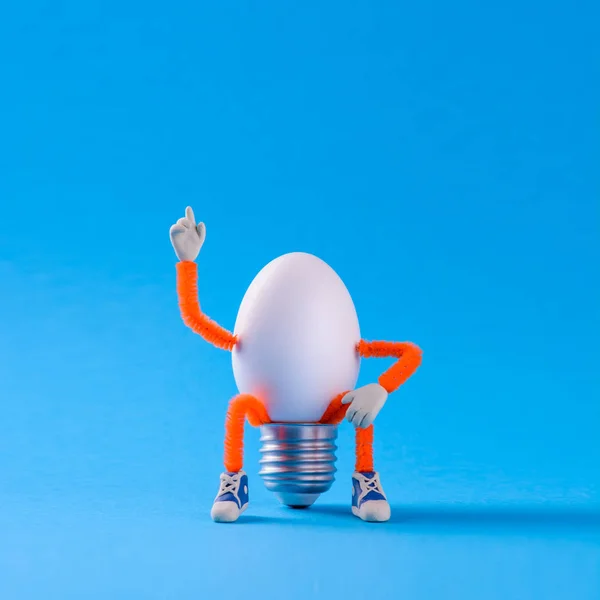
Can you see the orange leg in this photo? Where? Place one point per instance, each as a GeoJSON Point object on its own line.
{"type": "Point", "coordinates": [334, 415]}
{"type": "Point", "coordinates": [364, 449]}
{"type": "Point", "coordinates": [240, 408]}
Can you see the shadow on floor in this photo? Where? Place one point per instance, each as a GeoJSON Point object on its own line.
{"type": "Point", "coordinates": [521, 517]}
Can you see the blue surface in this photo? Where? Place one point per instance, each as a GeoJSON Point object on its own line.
{"type": "Point", "coordinates": [441, 157]}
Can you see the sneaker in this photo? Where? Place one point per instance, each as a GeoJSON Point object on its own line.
{"type": "Point", "coordinates": [368, 498]}
{"type": "Point", "coordinates": [232, 499]}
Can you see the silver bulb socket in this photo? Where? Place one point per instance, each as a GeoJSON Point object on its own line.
{"type": "Point", "coordinates": [298, 461]}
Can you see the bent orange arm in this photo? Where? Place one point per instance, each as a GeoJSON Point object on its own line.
{"type": "Point", "coordinates": [193, 317]}
{"type": "Point", "coordinates": [408, 355]}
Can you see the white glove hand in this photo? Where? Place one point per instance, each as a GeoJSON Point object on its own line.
{"type": "Point", "coordinates": [187, 237]}
{"type": "Point", "coordinates": [365, 404]}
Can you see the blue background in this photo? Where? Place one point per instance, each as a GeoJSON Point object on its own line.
{"type": "Point", "coordinates": [442, 157]}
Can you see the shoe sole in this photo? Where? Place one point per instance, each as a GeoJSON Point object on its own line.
{"type": "Point", "coordinates": [356, 513]}
{"type": "Point", "coordinates": [231, 520]}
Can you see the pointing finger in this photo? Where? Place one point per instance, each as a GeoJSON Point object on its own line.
{"type": "Point", "coordinates": [189, 214]}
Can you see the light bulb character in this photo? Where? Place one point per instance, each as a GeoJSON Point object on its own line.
{"type": "Point", "coordinates": [359, 406]}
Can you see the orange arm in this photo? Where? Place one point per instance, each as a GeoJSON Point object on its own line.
{"type": "Point", "coordinates": [408, 355]}
{"type": "Point", "coordinates": [193, 317]}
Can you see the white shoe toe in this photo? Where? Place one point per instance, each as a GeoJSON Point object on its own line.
{"type": "Point", "coordinates": [375, 511]}
{"type": "Point", "coordinates": [225, 512]}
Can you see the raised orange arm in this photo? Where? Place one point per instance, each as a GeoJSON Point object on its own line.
{"type": "Point", "coordinates": [193, 317]}
{"type": "Point", "coordinates": [407, 353]}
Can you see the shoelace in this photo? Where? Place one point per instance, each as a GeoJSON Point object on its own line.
{"type": "Point", "coordinates": [373, 485]}
{"type": "Point", "coordinates": [228, 484]}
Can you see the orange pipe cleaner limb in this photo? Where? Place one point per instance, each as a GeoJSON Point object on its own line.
{"type": "Point", "coordinates": [241, 407]}
{"type": "Point", "coordinates": [409, 358]}
{"type": "Point", "coordinates": [187, 293]}
{"type": "Point", "coordinates": [364, 449]}
{"type": "Point", "coordinates": [335, 412]}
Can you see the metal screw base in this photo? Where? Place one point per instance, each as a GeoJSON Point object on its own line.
{"type": "Point", "coordinates": [298, 461]}
{"type": "Point", "coordinates": [296, 500]}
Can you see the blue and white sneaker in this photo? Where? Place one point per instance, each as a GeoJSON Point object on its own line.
{"type": "Point", "coordinates": [232, 499]}
{"type": "Point", "coordinates": [368, 498]}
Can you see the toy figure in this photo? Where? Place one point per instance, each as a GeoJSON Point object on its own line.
{"type": "Point", "coordinates": [296, 353]}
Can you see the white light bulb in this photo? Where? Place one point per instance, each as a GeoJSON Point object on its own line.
{"type": "Point", "coordinates": [298, 330]}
